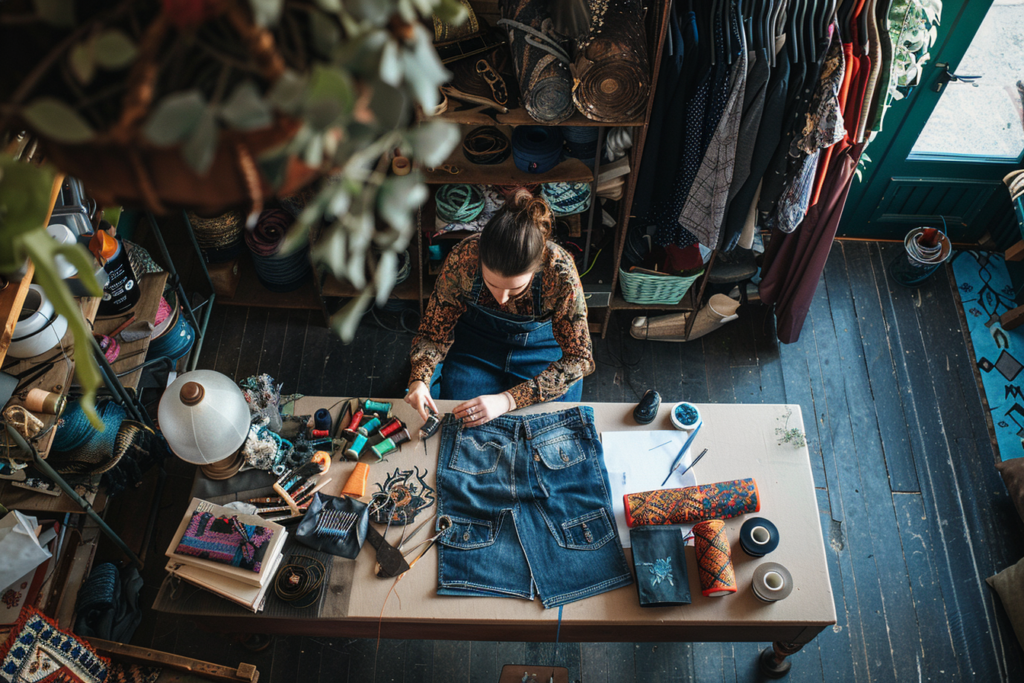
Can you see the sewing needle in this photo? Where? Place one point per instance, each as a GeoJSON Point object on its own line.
{"type": "Point", "coordinates": [688, 467]}
{"type": "Point", "coordinates": [682, 451]}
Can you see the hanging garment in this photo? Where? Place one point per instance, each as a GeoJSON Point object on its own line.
{"type": "Point", "coordinates": [867, 110]}
{"type": "Point", "coordinates": [530, 512]}
{"type": "Point", "coordinates": [878, 100]}
{"type": "Point", "coordinates": [758, 72]}
{"type": "Point", "coordinates": [823, 127]}
{"type": "Point", "coordinates": [705, 206]}
{"type": "Point", "coordinates": [793, 263]}
{"type": "Point", "coordinates": [768, 135]}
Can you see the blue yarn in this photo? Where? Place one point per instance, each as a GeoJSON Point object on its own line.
{"type": "Point", "coordinates": [173, 344]}
{"type": "Point", "coordinates": [566, 199]}
{"type": "Point", "coordinates": [322, 420]}
{"type": "Point", "coordinates": [536, 149]}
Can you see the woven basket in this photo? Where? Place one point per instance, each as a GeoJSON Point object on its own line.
{"type": "Point", "coordinates": [644, 288]}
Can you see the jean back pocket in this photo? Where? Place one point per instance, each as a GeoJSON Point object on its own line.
{"type": "Point", "coordinates": [468, 534]}
{"type": "Point", "coordinates": [589, 531]}
{"type": "Point", "coordinates": [560, 451]}
{"type": "Point", "coordinates": [477, 452]}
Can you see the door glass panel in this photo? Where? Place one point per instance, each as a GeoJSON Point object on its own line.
{"type": "Point", "coordinates": [986, 121]}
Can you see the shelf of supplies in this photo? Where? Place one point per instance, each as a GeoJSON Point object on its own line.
{"type": "Point", "coordinates": [473, 116]}
{"type": "Point", "coordinates": [132, 354]}
{"type": "Point", "coordinates": [505, 173]}
{"type": "Point", "coordinates": [16, 498]}
{"type": "Point", "coordinates": [687, 304]}
{"type": "Point", "coordinates": [407, 290]}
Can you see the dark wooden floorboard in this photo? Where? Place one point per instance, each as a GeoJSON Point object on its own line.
{"type": "Point", "coordinates": [913, 513]}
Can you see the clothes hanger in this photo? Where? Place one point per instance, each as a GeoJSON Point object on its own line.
{"type": "Point", "coordinates": [792, 33]}
{"type": "Point", "coordinates": [711, 28]}
{"type": "Point", "coordinates": [809, 34]}
{"type": "Point", "coordinates": [725, 16]}
{"type": "Point", "coordinates": [768, 39]}
{"type": "Point", "coordinates": [862, 26]}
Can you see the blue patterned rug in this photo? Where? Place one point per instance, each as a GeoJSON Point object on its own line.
{"type": "Point", "coordinates": [986, 293]}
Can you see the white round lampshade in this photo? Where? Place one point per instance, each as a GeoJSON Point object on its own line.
{"type": "Point", "coordinates": [204, 417]}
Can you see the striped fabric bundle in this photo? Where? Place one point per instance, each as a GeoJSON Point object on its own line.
{"type": "Point", "coordinates": [693, 503]}
{"type": "Point", "coordinates": [566, 199]}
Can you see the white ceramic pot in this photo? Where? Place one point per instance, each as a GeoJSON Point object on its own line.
{"type": "Point", "coordinates": [39, 328]}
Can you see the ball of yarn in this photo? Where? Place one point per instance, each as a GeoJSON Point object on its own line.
{"type": "Point", "coordinates": [459, 203]}
{"type": "Point", "coordinates": [566, 199]}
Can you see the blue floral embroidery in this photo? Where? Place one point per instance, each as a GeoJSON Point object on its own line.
{"type": "Point", "coordinates": [661, 571]}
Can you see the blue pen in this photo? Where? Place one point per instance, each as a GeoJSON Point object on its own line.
{"type": "Point", "coordinates": [682, 450]}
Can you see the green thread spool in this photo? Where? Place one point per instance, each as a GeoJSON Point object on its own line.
{"type": "Point", "coordinates": [377, 406]}
{"type": "Point", "coordinates": [391, 444]}
{"type": "Point", "coordinates": [459, 203]}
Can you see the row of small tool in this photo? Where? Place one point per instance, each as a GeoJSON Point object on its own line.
{"type": "Point", "coordinates": [295, 489]}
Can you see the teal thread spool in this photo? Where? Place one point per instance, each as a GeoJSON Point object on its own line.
{"type": "Point", "coordinates": [685, 416]}
{"type": "Point", "coordinates": [352, 452]}
{"type": "Point", "coordinates": [382, 407]}
{"type": "Point", "coordinates": [370, 427]}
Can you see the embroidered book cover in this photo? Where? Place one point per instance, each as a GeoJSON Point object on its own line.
{"type": "Point", "coordinates": [660, 563]}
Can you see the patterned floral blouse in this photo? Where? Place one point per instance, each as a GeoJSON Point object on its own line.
{"type": "Point", "coordinates": [562, 302]}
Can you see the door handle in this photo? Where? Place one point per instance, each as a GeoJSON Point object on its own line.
{"type": "Point", "coordinates": [948, 76]}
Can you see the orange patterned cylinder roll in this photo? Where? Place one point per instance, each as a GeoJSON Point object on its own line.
{"type": "Point", "coordinates": [721, 500]}
{"type": "Point", "coordinates": [714, 559]}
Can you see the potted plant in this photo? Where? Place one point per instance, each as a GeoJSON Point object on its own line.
{"type": "Point", "coordinates": [208, 104]}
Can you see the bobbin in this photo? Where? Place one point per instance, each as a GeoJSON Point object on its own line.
{"type": "Point", "coordinates": [771, 582]}
{"type": "Point", "coordinates": [392, 443]}
{"type": "Point", "coordinates": [758, 537]}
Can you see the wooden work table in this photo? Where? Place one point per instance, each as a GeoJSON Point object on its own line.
{"type": "Point", "coordinates": [742, 442]}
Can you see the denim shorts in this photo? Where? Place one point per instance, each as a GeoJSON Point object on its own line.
{"type": "Point", "coordinates": [528, 500]}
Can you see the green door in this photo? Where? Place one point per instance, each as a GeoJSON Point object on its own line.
{"type": "Point", "coordinates": [944, 149]}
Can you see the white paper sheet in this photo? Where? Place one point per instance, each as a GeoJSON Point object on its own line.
{"type": "Point", "coordinates": [639, 461]}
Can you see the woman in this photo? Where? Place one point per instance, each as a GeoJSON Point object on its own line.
{"type": "Point", "coordinates": [508, 318]}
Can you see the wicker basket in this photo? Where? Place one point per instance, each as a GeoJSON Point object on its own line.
{"type": "Point", "coordinates": [648, 288]}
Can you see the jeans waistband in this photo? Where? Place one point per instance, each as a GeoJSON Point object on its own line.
{"type": "Point", "coordinates": [531, 426]}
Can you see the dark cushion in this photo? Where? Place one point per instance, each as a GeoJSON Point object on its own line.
{"type": "Point", "coordinates": [1009, 584]}
{"type": "Point", "coordinates": [1013, 476]}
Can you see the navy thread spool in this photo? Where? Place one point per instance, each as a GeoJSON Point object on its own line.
{"type": "Point", "coordinates": [758, 537]}
{"type": "Point", "coordinates": [322, 420]}
{"type": "Point", "coordinates": [536, 149]}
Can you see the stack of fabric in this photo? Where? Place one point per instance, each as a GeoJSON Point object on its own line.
{"type": "Point", "coordinates": [275, 271]}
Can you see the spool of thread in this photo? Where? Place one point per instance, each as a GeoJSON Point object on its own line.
{"type": "Point", "coordinates": [370, 427]}
{"type": "Point", "coordinates": [714, 559]}
{"type": "Point", "coordinates": [772, 582]}
{"type": "Point", "coordinates": [685, 416]}
{"type": "Point", "coordinates": [458, 204]}
{"type": "Point", "coordinates": [381, 407]}
{"type": "Point", "coordinates": [322, 420]}
{"type": "Point", "coordinates": [353, 424]}
{"type": "Point", "coordinates": [320, 433]}
{"type": "Point", "coordinates": [758, 537]}
{"type": "Point", "coordinates": [45, 402]}
{"type": "Point", "coordinates": [430, 427]}
{"type": "Point", "coordinates": [352, 452]}
{"type": "Point", "coordinates": [401, 166]}
{"type": "Point", "coordinates": [390, 444]}
{"type": "Point", "coordinates": [390, 427]}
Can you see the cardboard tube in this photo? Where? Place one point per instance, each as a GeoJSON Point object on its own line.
{"type": "Point", "coordinates": [42, 401]}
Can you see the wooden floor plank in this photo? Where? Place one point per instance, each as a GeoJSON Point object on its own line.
{"type": "Point", "coordinates": [420, 662]}
{"type": "Point", "coordinates": [820, 368]}
{"type": "Point", "coordinates": [308, 668]}
{"type": "Point", "coordinates": [211, 341]}
{"type": "Point", "coordinates": [835, 645]}
{"type": "Point", "coordinates": [707, 662]}
{"type": "Point", "coordinates": [796, 362]}
{"type": "Point", "coordinates": [274, 337]}
{"type": "Point", "coordinates": [607, 662]}
{"type": "Point", "coordinates": [663, 662]}
{"type": "Point", "coordinates": [867, 498]}
{"type": "Point", "coordinates": [885, 389]}
{"type": "Point", "coordinates": [291, 355]}
{"type": "Point", "coordinates": [451, 661]}
{"type": "Point", "coordinates": [251, 349]}
{"type": "Point", "coordinates": [548, 654]}
{"type": "Point", "coordinates": [231, 337]}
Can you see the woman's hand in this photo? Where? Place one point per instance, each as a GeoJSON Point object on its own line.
{"type": "Point", "coordinates": [483, 409]}
{"type": "Point", "coordinates": [418, 397]}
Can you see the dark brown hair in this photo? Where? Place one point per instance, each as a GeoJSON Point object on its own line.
{"type": "Point", "coordinates": [512, 242]}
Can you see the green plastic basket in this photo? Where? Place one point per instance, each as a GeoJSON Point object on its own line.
{"type": "Point", "coordinates": [644, 288]}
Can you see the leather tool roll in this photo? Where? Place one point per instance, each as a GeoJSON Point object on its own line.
{"type": "Point", "coordinates": [612, 72]}
{"type": "Point", "coordinates": [540, 59]}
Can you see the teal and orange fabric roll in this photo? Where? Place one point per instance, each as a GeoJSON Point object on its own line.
{"type": "Point", "coordinates": [693, 503]}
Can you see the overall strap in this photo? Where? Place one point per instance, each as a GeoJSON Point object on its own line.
{"type": "Point", "coordinates": [478, 283]}
{"type": "Point", "coordinates": [538, 279]}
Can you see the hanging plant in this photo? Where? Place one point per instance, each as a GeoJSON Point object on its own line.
{"type": "Point", "coordinates": [913, 27]}
{"type": "Point", "coordinates": [209, 104]}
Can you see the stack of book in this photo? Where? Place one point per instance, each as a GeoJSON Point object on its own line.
{"type": "Point", "coordinates": [244, 585]}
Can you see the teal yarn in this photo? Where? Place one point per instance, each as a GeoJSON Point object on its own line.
{"type": "Point", "coordinates": [459, 203]}
{"type": "Point", "coordinates": [566, 199]}
{"type": "Point", "coordinates": [74, 430]}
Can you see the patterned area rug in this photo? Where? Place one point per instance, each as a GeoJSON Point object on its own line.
{"type": "Point", "coordinates": [986, 293]}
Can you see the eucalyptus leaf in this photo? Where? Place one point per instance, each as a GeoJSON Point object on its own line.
{"type": "Point", "coordinates": [56, 120]}
{"type": "Point", "coordinates": [385, 276]}
{"type": "Point", "coordinates": [332, 249]}
{"type": "Point", "coordinates": [389, 105]}
{"type": "Point", "coordinates": [346, 321]}
{"type": "Point", "coordinates": [424, 73]}
{"type": "Point", "coordinates": [201, 147]}
{"type": "Point", "coordinates": [245, 109]}
{"type": "Point", "coordinates": [175, 118]}
{"type": "Point", "coordinates": [325, 33]}
{"type": "Point", "coordinates": [373, 12]}
{"type": "Point", "coordinates": [287, 92]}
{"type": "Point", "coordinates": [314, 153]}
{"type": "Point", "coordinates": [329, 5]}
{"type": "Point", "coordinates": [391, 63]}
{"type": "Point", "coordinates": [266, 12]}
{"type": "Point", "coordinates": [329, 96]}
{"type": "Point", "coordinates": [82, 61]}
{"type": "Point", "coordinates": [56, 12]}
{"type": "Point", "coordinates": [433, 141]}
{"type": "Point", "coordinates": [399, 196]}
{"type": "Point", "coordinates": [297, 237]}
{"type": "Point", "coordinates": [114, 50]}
{"type": "Point", "coordinates": [451, 11]}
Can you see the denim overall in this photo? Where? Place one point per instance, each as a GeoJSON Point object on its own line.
{"type": "Point", "coordinates": [494, 351]}
{"type": "Point", "coordinates": [529, 503]}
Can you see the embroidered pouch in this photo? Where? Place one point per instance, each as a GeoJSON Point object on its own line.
{"type": "Point", "coordinates": [660, 563]}
{"type": "Point", "coordinates": [36, 650]}
{"type": "Point", "coordinates": [225, 540]}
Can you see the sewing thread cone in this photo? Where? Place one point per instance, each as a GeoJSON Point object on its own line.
{"type": "Point", "coordinates": [719, 310]}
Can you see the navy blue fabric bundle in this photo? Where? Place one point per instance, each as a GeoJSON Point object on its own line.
{"type": "Point", "coordinates": [581, 143]}
{"type": "Point", "coordinates": [536, 149]}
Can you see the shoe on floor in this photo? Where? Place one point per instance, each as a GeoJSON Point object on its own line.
{"type": "Point", "coordinates": [734, 266]}
{"type": "Point", "coordinates": [719, 310]}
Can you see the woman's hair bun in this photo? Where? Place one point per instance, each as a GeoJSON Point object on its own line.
{"type": "Point", "coordinates": [521, 201]}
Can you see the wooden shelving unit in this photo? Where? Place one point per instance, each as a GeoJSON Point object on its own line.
{"type": "Point", "coordinates": [518, 117]}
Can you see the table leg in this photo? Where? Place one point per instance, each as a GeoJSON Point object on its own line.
{"type": "Point", "coordinates": [773, 662]}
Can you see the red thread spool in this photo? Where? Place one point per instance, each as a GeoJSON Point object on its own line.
{"type": "Point", "coordinates": [353, 424]}
{"type": "Point", "coordinates": [390, 427]}
{"type": "Point", "coordinates": [320, 433]}
{"type": "Point", "coordinates": [714, 559]}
